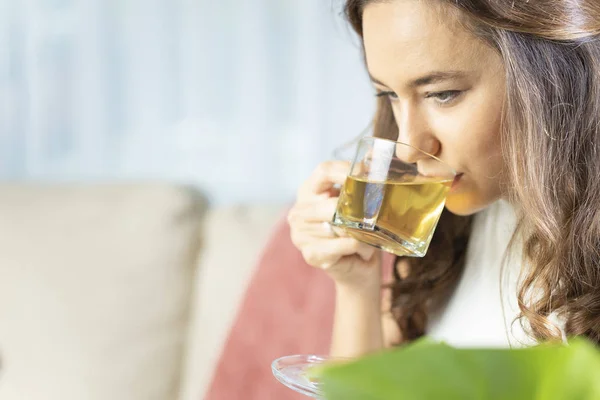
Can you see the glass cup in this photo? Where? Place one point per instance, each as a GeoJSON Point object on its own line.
{"type": "Point", "coordinates": [392, 199]}
{"type": "Point", "coordinates": [393, 196]}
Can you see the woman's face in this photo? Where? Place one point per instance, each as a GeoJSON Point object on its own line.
{"type": "Point", "coordinates": [446, 88]}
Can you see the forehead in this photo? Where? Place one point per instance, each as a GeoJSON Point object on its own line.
{"type": "Point", "coordinates": [417, 36]}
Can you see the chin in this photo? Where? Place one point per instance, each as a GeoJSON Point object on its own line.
{"type": "Point", "coordinates": [466, 204]}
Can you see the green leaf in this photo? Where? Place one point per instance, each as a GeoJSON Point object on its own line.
{"type": "Point", "coordinates": [574, 375]}
{"type": "Point", "coordinates": [430, 370]}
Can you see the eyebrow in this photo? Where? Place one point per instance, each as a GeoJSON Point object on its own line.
{"type": "Point", "coordinates": [433, 77]}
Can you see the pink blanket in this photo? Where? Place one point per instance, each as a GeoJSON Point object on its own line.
{"type": "Point", "coordinates": [287, 309]}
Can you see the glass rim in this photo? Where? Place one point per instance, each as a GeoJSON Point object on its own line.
{"type": "Point", "coordinates": [396, 142]}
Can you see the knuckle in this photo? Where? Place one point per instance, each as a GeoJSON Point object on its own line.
{"type": "Point", "coordinates": [311, 257]}
{"type": "Point", "coordinates": [296, 240]}
{"type": "Point", "coordinates": [294, 237]}
{"type": "Point", "coordinates": [307, 255]}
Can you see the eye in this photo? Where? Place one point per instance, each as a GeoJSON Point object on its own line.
{"type": "Point", "coordinates": [389, 94]}
{"type": "Point", "coordinates": [444, 98]}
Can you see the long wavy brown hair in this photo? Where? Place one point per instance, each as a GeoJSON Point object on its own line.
{"type": "Point", "coordinates": [551, 145]}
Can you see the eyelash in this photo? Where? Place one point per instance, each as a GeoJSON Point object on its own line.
{"type": "Point", "coordinates": [435, 95]}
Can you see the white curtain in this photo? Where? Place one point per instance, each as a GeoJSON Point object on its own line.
{"type": "Point", "coordinates": [239, 97]}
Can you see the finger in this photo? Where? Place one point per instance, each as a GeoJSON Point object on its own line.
{"type": "Point", "coordinates": [313, 211]}
{"type": "Point", "coordinates": [323, 230]}
{"type": "Point", "coordinates": [324, 178]}
{"type": "Point", "coordinates": [323, 254]}
{"type": "Point", "coordinates": [308, 236]}
{"type": "Point", "coordinates": [307, 233]}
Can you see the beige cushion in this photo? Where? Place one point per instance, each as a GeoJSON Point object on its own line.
{"type": "Point", "coordinates": [235, 236]}
{"type": "Point", "coordinates": [95, 285]}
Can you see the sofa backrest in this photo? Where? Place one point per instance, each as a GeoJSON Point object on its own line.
{"type": "Point", "coordinates": [95, 290]}
{"type": "Point", "coordinates": [234, 236]}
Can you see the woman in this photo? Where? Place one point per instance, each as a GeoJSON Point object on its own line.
{"type": "Point", "coordinates": [508, 94]}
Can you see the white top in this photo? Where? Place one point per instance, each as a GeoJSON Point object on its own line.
{"type": "Point", "coordinates": [474, 314]}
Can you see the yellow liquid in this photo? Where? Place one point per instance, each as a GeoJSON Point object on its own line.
{"type": "Point", "coordinates": [399, 217]}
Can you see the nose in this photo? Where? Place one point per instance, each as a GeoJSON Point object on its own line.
{"type": "Point", "coordinates": [414, 131]}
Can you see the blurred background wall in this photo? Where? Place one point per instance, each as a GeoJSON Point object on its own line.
{"type": "Point", "coordinates": [240, 97]}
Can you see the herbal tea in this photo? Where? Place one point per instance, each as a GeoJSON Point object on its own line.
{"type": "Point", "coordinates": [398, 217]}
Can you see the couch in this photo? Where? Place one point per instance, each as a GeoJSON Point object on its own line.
{"type": "Point", "coordinates": [120, 292]}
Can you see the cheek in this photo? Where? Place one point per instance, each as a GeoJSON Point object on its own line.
{"type": "Point", "coordinates": [472, 129]}
{"type": "Point", "coordinates": [476, 148]}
